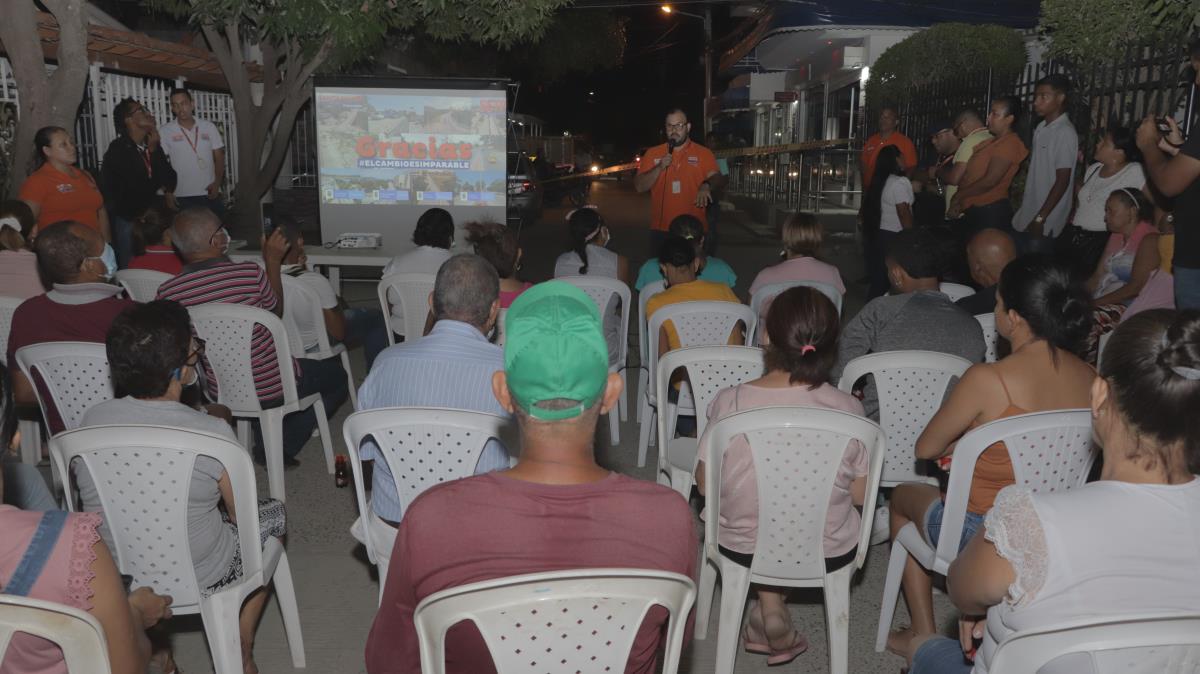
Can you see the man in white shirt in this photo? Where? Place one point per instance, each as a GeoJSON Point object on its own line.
{"type": "Point", "coordinates": [347, 325]}
{"type": "Point", "coordinates": [1049, 184]}
{"type": "Point", "coordinates": [197, 154]}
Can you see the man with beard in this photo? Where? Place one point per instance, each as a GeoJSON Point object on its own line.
{"type": "Point", "coordinates": [680, 175]}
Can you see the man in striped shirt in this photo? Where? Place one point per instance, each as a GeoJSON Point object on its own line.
{"type": "Point", "coordinates": [209, 276]}
{"type": "Point", "coordinates": [451, 367]}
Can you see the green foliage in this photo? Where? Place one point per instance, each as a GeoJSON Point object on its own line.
{"type": "Point", "coordinates": [1087, 32]}
{"type": "Point", "coordinates": [357, 26]}
{"type": "Point", "coordinates": [945, 50]}
{"type": "Point", "coordinates": [578, 42]}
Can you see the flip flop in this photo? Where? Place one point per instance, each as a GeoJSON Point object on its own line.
{"type": "Point", "coordinates": [787, 655]}
{"type": "Point", "coordinates": [752, 646]}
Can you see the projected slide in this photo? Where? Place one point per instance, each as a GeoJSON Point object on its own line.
{"type": "Point", "coordinates": [411, 147]}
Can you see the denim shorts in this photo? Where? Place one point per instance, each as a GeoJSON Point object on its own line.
{"type": "Point", "coordinates": [933, 524]}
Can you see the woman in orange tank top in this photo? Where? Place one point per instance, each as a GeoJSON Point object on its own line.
{"type": "Point", "coordinates": [1045, 317]}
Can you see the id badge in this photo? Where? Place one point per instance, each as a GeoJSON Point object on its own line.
{"type": "Point", "coordinates": [676, 187]}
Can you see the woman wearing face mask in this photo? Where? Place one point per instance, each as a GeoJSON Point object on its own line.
{"type": "Point", "coordinates": [590, 256]}
{"type": "Point", "coordinates": [153, 356]}
{"type": "Point", "coordinates": [59, 190]}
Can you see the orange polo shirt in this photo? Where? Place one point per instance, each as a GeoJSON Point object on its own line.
{"type": "Point", "coordinates": [674, 193]}
{"type": "Point", "coordinates": [908, 153]}
{"type": "Point", "coordinates": [62, 196]}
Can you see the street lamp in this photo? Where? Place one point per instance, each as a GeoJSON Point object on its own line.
{"type": "Point", "coordinates": [707, 19]}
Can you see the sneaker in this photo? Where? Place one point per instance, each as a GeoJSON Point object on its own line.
{"type": "Point", "coordinates": [880, 529]}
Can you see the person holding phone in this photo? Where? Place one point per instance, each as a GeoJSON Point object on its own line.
{"type": "Point", "coordinates": [680, 176]}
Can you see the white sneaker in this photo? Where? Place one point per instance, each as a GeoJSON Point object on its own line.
{"type": "Point", "coordinates": [881, 529]}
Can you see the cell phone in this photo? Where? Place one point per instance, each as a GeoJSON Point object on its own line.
{"type": "Point", "coordinates": [1163, 127]}
{"type": "Point", "coordinates": [268, 226]}
{"type": "Point", "coordinates": [127, 582]}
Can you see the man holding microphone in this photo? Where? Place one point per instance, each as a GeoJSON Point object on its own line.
{"type": "Point", "coordinates": [680, 175]}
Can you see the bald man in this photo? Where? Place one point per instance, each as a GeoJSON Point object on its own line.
{"type": "Point", "coordinates": [988, 253]}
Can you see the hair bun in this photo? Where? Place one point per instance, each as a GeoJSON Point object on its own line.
{"type": "Point", "coordinates": [1180, 346]}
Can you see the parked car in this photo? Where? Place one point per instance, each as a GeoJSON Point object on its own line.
{"type": "Point", "coordinates": [524, 189]}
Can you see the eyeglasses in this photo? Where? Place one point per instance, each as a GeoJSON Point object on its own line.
{"type": "Point", "coordinates": [220, 230]}
{"type": "Point", "coordinates": [196, 353]}
{"type": "Point", "coordinates": [679, 126]}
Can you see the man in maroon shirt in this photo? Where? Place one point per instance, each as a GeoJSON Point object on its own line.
{"type": "Point", "coordinates": [556, 509]}
{"type": "Point", "coordinates": [79, 307]}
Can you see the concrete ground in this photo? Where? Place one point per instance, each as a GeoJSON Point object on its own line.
{"type": "Point", "coordinates": [336, 586]}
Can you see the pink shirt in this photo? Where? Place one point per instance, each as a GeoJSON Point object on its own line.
{"type": "Point", "coordinates": [507, 296]}
{"type": "Point", "coordinates": [19, 274]}
{"type": "Point", "coordinates": [739, 486]}
{"type": "Point", "coordinates": [797, 269]}
{"type": "Point", "coordinates": [158, 258]}
{"type": "Point", "coordinates": [492, 526]}
{"type": "Point", "coordinates": [66, 579]}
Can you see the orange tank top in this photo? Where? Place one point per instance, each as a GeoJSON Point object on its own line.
{"type": "Point", "coordinates": [993, 470]}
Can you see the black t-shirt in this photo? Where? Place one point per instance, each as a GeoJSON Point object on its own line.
{"type": "Point", "coordinates": [982, 302]}
{"type": "Point", "coordinates": [1187, 214]}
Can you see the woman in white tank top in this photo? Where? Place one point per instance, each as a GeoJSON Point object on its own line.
{"type": "Point", "coordinates": [589, 256]}
{"type": "Point", "coordinates": [1126, 544]}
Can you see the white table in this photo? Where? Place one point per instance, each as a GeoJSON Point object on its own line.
{"type": "Point", "coordinates": [332, 259]}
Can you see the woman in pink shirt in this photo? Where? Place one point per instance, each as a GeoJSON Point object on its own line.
{"type": "Point", "coordinates": [498, 244]}
{"type": "Point", "coordinates": [802, 329]}
{"type": "Point", "coordinates": [152, 242]}
{"type": "Point", "coordinates": [802, 238]}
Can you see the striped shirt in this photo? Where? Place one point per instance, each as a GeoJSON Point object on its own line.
{"type": "Point", "coordinates": [451, 367]}
{"type": "Point", "coordinates": [221, 281]}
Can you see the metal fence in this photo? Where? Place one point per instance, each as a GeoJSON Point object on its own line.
{"type": "Point", "coordinates": [1141, 80]}
{"type": "Point", "coordinates": [807, 180]}
{"type": "Point", "coordinates": [94, 128]}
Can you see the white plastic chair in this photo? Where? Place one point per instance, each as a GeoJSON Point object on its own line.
{"type": "Point", "coordinates": [411, 291]}
{"type": "Point", "coordinates": [76, 632]}
{"type": "Point", "coordinates": [1100, 346]}
{"type": "Point", "coordinates": [1118, 642]}
{"type": "Point", "coordinates": [710, 369]}
{"type": "Point", "coordinates": [141, 285]}
{"type": "Point", "coordinates": [797, 452]}
{"type": "Point", "coordinates": [602, 290]}
{"type": "Point", "coordinates": [296, 296]}
{"type": "Point", "coordinates": [423, 447]}
{"type": "Point", "coordinates": [956, 291]}
{"type": "Point", "coordinates": [498, 329]}
{"type": "Point", "coordinates": [141, 474]}
{"type": "Point", "coordinates": [31, 429]}
{"type": "Point", "coordinates": [991, 337]}
{"type": "Point", "coordinates": [1050, 451]}
{"type": "Point", "coordinates": [590, 616]}
{"type": "Point", "coordinates": [644, 295]}
{"type": "Point", "coordinates": [228, 330]}
{"type": "Point", "coordinates": [697, 324]}
{"type": "Point", "coordinates": [762, 298]}
{"type": "Point", "coordinates": [75, 375]}
{"type": "Point", "coordinates": [910, 386]}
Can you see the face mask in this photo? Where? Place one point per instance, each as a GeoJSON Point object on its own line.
{"type": "Point", "coordinates": [175, 374]}
{"type": "Point", "coordinates": [291, 269]}
{"type": "Point", "coordinates": [109, 259]}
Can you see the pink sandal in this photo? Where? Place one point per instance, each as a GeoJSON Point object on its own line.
{"type": "Point", "coordinates": [799, 645]}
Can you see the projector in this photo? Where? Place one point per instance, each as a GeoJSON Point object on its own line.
{"type": "Point", "coordinates": [358, 240]}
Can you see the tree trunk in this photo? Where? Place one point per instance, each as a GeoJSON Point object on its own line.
{"type": "Point", "coordinates": [265, 128]}
{"type": "Point", "coordinates": [43, 100]}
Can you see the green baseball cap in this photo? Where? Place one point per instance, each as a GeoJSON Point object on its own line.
{"type": "Point", "coordinates": [554, 349]}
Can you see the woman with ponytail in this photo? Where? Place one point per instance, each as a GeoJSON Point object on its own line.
{"type": "Point", "coordinates": [1045, 316]}
{"type": "Point", "coordinates": [589, 252]}
{"type": "Point", "coordinates": [590, 256]}
{"type": "Point", "coordinates": [1127, 544]}
{"type": "Point", "coordinates": [802, 329]}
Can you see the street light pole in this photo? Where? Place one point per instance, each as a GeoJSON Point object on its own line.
{"type": "Point", "coordinates": [707, 19]}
